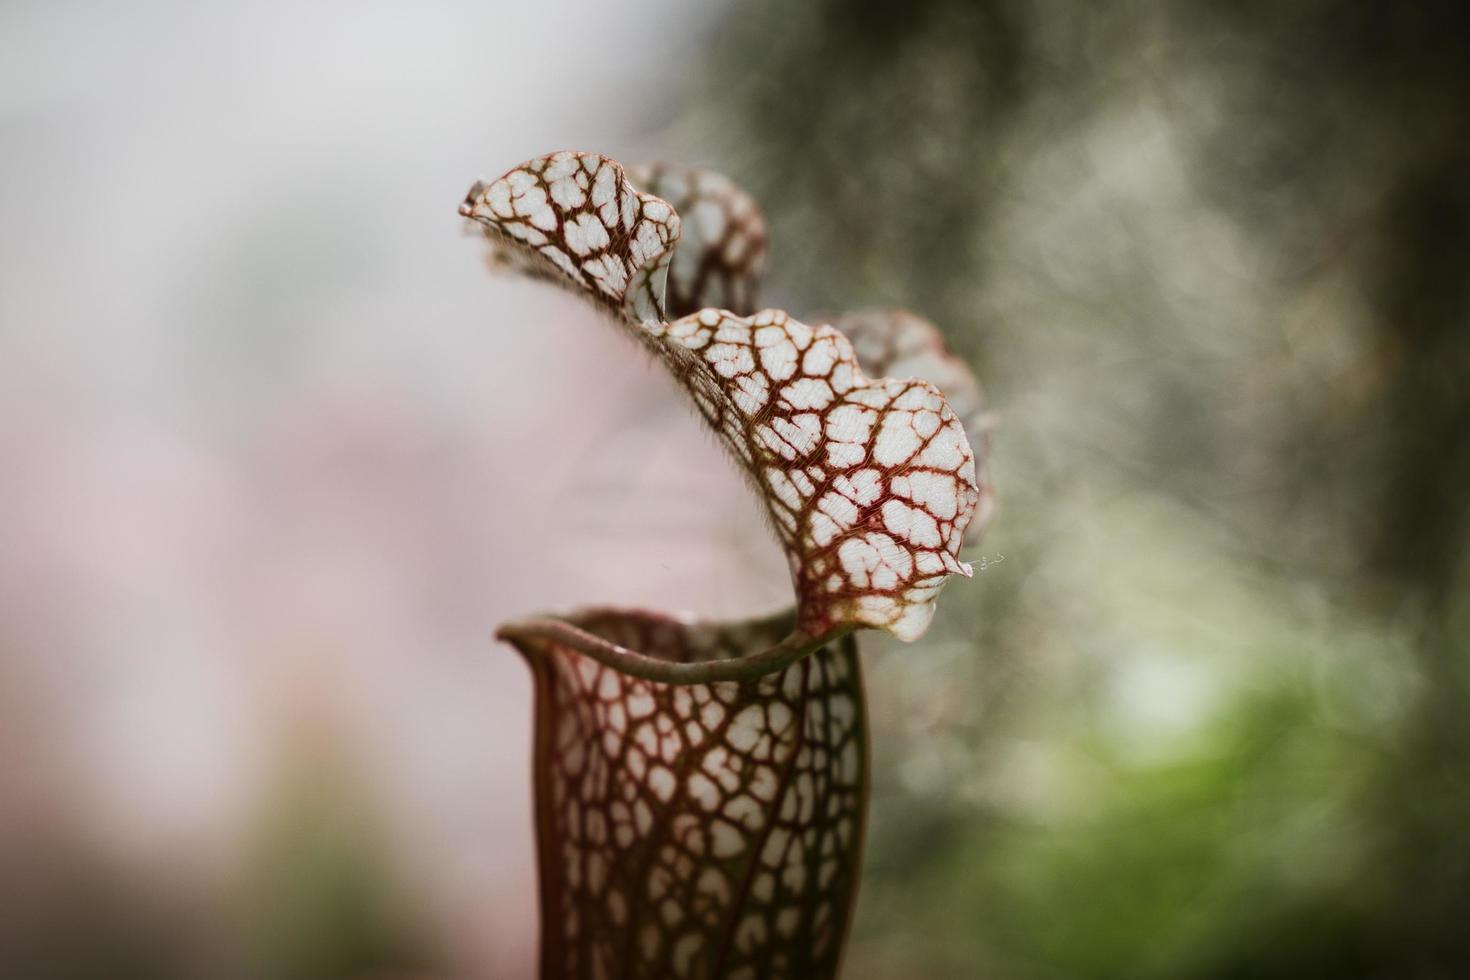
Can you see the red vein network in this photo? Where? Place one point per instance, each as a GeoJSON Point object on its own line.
{"type": "Point", "coordinates": [702, 830]}
{"type": "Point", "coordinates": [870, 483]}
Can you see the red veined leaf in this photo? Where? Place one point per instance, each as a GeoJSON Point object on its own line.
{"type": "Point", "coordinates": [721, 252]}
{"type": "Point", "coordinates": [869, 483]}
{"type": "Point", "coordinates": [895, 343]}
{"type": "Point", "coordinates": [573, 219]}
{"type": "Point", "coordinates": [700, 788]}
{"type": "Point", "coordinates": [703, 830]}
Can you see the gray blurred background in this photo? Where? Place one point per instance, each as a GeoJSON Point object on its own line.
{"type": "Point", "coordinates": [276, 455]}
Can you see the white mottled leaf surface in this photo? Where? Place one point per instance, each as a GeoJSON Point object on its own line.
{"type": "Point", "coordinates": [869, 482]}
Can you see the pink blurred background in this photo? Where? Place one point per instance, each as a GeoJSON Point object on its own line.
{"type": "Point", "coordinates": [277, 455]}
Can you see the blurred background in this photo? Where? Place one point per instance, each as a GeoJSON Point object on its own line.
{"type": "Point", "coordinates": [276, 456]}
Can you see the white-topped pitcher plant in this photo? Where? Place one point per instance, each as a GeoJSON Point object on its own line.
{"type": "Point", "coordinates": [701, 788]}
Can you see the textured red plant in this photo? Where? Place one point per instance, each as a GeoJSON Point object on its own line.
{"type": "Point", "coordinates": [701, 787]}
